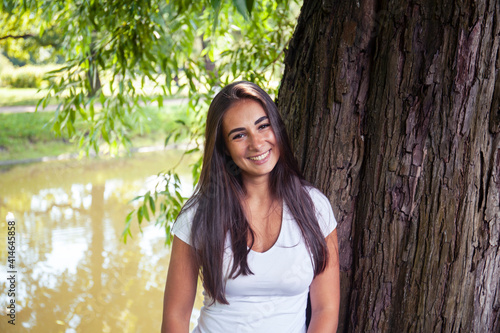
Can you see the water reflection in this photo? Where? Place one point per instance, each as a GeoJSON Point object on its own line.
{"type": "Point", "coordinates": [74, 273]}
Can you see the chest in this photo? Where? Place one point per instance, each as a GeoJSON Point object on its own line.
{"type": "Point", "coordinates": [266, 226]}
{"type": "Point", "coordinates": [285, 269]}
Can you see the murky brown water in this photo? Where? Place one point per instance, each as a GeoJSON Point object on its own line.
{"type": "Point", "coordinates": [74, 274]}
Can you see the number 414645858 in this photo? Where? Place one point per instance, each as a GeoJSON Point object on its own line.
{"type": "Point", "coordinates": [11, 243]}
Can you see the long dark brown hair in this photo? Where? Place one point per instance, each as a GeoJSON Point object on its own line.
{"type": "Point", "coordinates": [220, 191]}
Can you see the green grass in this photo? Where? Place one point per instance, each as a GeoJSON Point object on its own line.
{"type": "Point", "coordinates": [24, 135]}
{"type": "Point", "coordinates": [31, 96]}
{"type": "Point", "coordinates": [27, 135]}
{"type": "Point", "coordinates": [157, 125]}
{"type": "Point", "coordinates": [20, 96]}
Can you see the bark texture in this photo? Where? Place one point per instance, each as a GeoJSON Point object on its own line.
{"type": "Point", "coordinates": [393, 109]}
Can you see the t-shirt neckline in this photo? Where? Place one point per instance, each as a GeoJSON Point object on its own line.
{"type": "Point", "coordinates": [283, 212]}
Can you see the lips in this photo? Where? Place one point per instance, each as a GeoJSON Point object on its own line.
{"type": "Point", "coordinates": [260, 157]}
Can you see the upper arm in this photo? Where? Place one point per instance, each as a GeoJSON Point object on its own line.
{"type": "Point", "coordinates": [325, 291]}
{"type": "Point", "coordinates": [180, 289]}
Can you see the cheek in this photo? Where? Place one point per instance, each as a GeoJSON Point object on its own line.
{"type": "Point", "coordinates": [273, 140]}
{"type": "Point", "coordinates": [232, 150]}
{"type": "Point", "coordinates": [272, 136]}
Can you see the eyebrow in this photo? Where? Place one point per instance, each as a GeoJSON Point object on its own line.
{"type": "Point", "coordinates": [261, 119]}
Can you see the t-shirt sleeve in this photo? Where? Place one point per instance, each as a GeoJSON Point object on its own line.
{"type": "Point", "coordinates": [182, 226]}
{"type": "Point", "coordinates": [324, 212]}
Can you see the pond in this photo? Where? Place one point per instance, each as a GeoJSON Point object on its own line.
{"type": "Point", "coordinates": [74, 273]}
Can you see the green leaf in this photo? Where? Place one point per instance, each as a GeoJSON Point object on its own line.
{"type": "Point", "coordinates": [241, 6]}
{"type": "Point", "coordinates": [102, 98]}
{"type": "Point", "coordinates": [167, 139]}
{"type": "Point", "coordinates": [190, 151]}
{"type": "Point", "coordinates": [136, 198]}
{"type": "Point", "coordinates": [249, 4]}
{"type": "Point", "coordinates": [140, 214]}
{"type": "Point", "coordinates": [152, 205]}
{"type": "Point", "coordinates": [91, 110]}
{"type": "Point", "coordinates": [145, 211]}
{"type": "Point", "coordinates": [215, 4]}
{"type": "Point", "coordinates": [104, 134]}
{"type": "Point", "coordinates": [126, 231]}
{"type": "Point", "coordinates": [129, 218]}
{"type": "Point", "coordinates": [216, 12]}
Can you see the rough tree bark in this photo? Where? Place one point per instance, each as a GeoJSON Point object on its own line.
{"type": "Point", "coordinates": [393, 109]}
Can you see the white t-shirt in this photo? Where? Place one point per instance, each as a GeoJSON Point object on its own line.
{"type": "Point", "coordinates": [274, 298]}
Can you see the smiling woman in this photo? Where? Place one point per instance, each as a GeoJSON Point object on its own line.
{"type": "Point", "coordinates": [261, 236]}
{"type": "Point", "coordinates": [250, 139]}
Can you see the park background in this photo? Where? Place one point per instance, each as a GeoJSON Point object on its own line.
{"type": "Point", "coordinates": [84, 263]}
{"type": "Point", "coordinates": [393, 110]}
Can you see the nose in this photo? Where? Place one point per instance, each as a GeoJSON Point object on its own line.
{"type": "Point", "coordinates": [256, 141]}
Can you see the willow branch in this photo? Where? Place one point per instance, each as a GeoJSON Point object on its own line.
{"type": "Point", "coordinates": [25, 36]}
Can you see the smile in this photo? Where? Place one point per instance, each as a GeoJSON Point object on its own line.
{"type": "Point", "coordinates": [261, 157]}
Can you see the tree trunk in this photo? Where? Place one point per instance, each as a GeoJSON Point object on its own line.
{"type": "Point", "coordinates": [393, 109]}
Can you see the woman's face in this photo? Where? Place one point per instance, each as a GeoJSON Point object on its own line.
{"type": "Point", "coordinates": [249, 139]}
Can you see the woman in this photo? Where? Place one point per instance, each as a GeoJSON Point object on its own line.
{"type": "Point", "coordinates": [259, 235]}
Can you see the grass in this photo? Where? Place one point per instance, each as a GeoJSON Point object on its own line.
{"type": "Point", "coordinates": [25, 135]}
{"type": "Point", "coordinates": [28, 135]}
{"type": "Point", "coordinates": [158, 124]}
{"type": "Point", "coordinates": [20, 96]}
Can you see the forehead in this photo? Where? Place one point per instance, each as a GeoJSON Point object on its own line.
{"type": "Point", "coordinates": [242, 114]}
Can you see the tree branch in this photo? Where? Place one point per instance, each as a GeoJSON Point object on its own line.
{"type": "Point", "coordinates": [18, 36]}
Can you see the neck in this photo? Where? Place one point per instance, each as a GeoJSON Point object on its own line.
{"type": "Point", "coordinates": [257, 188]}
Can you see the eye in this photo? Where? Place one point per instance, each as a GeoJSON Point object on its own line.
{"type": "Point", "coordinates": [263, 126]}
{"type": "Point", "coordinates": [238, 136]}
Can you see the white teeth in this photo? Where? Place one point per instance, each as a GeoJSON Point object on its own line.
{"type": "Point", "coordinates": [261, 157]}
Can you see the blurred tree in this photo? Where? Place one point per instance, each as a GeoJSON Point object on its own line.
{"type": "Point", "coordinates": [120, 53]}
{"type": "Point", "coordinates": [20, 40]}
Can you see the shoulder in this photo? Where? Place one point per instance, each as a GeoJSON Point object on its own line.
{"type": "Point", "coordinates": [320, 201]}
{"type": "Point", "coordinates": [187, 212]}
{"type": "Point", "coordinates": [316, 194]}
{"type": "Point", "coordinates": [184, 221]}
{"type": "Point", "coordinates": [323, 210]}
